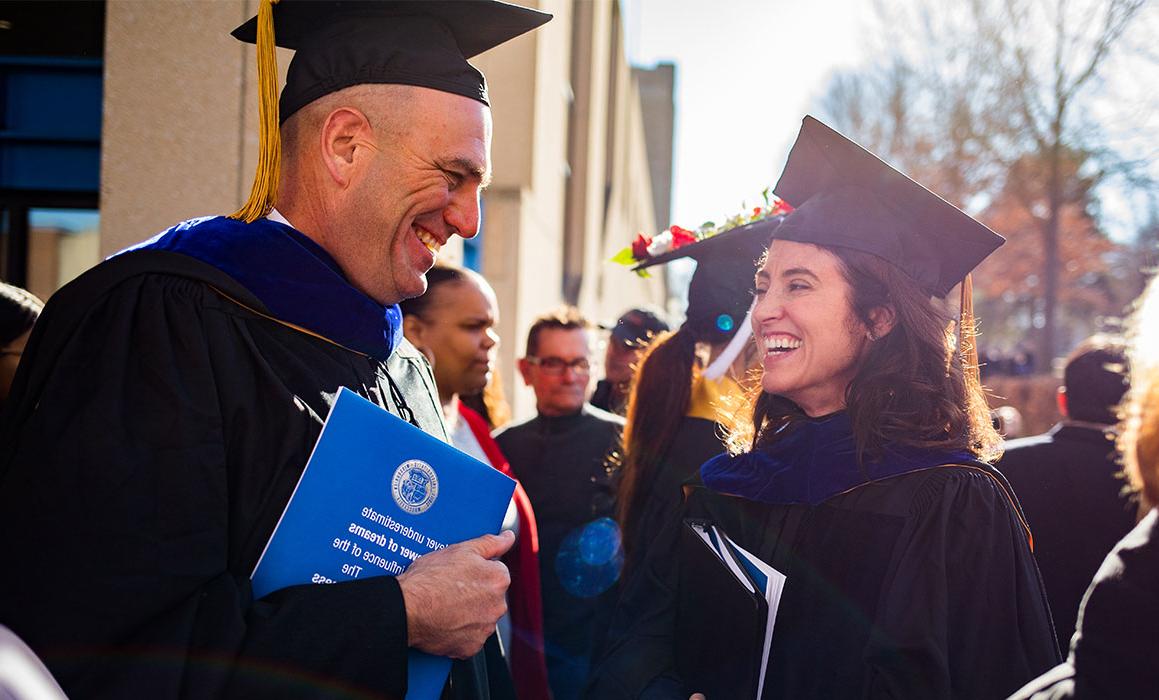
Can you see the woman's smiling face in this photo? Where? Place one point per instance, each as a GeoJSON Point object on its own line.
{"type": "Point", "coordinates": [805, 324]}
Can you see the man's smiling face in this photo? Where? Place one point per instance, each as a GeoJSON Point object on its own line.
{"type": "Point", "coordinates": [421, 186]}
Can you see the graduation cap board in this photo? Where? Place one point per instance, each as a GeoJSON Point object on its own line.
{"type": "Point", "coordinates": [846, 196]}
{"type": "Point", "coordinates": [720, 292]}
{"type": "Point", "coordinates": [722, 284]}
{"type": "Point", "coordinates": [342, 43]}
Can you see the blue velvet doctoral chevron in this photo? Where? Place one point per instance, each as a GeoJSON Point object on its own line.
{"type": "Point", "coordinates": [814, 462]}
{"type": "Point", "coordinates": [292, 275]}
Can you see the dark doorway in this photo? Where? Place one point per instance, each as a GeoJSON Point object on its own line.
{"type": "Point", "coordinates": [51, 62]}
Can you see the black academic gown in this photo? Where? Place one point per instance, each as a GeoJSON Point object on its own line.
{"type": "Point", "coordinates": [1069, 484]}
{"type": "Point", "coordinates": [917, 586]}
{"type": "Point", "coordinates": [562, 463]}
{"type": "Point", "coordinates": [694, 443]}
{"type": "Point", "coordinates": [150, 447]}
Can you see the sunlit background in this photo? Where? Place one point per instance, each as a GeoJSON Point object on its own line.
{"type": "Point", "coordinates": [1040, 118]}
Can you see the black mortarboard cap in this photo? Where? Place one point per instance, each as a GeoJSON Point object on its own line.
{"type": "Point", "coordinates": [846, 196]}
{"type": "Point", "coordinates": [722, 284]}
{"type": "Point", "coordinates": [341, 43]}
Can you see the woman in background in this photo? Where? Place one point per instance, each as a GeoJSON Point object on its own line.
{"type": "Point", "coordinates": [490, 403]}
{"type": "Point", "coordinates": [690, 380]}
{"type": "Point", "coordinates": [453, 325]}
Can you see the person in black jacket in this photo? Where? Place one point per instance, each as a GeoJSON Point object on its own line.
{"type": "Point", "coordinates": [561, 458]}
{"type": "Point", "coordinates": [1069, 480]}
{"type": "Point", "coordinates": [1113, 651]}
{"type": "Point", "coordinates": [174, 393]}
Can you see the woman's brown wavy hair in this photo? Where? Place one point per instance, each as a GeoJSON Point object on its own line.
{"type": "Point", "coordinates": [912, 387]}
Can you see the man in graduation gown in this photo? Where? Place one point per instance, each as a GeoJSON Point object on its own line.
{"type": "Point", "coordinates": [560, 457]}
{"type": "Point", "coordinates": [1069, 480]}
{"type": "Point", "coordinates": [172, 395]}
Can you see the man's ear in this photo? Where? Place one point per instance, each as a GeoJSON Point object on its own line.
{"type": "Point", "coordinates": [525, 370]}
{"type": "Point", "coordinates": [882, 319]}
{"type": "Point", "coordinates": [1062, 408]}
{"type": "Point", "coordinates": [344, 132]}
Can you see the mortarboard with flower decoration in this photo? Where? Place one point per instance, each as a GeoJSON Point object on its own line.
{"type": "Point", "coordinates": [646, 251]}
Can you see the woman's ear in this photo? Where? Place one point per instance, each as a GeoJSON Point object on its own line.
{"type": "Point", "coordinates": [882, 319]}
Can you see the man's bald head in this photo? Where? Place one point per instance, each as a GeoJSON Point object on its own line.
{"type": "Point", "coordinates": [388, 108]}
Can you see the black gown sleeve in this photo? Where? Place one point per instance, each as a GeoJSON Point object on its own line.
{"type": "Point", "coordinates": [115, 521]}
{"type": "Point", "coordinates": [695, 443]}
{"type": "Point", "coordinates": [963, 613]}
{"type": "Point", "coordinates": [1113, 653]}
{"type": "Point", "coordinates": [637, 659]}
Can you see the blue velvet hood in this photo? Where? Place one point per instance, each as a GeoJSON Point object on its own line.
{"type": "Point", "coordinates": [296, 279]}
{"type": "Point", "coordinates": [815, 461]}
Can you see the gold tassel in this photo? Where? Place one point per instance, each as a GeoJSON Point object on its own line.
{"type": "Point", "coordinates": [265, 188]}
{"type": "Point", "coordinates": [966, 332]}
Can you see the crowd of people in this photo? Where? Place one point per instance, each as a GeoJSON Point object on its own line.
{"type": "Point", "coordinates": [819, 408]}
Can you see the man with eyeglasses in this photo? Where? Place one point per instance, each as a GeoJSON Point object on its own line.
{"type": "Point", "coordinates": [561, 457]}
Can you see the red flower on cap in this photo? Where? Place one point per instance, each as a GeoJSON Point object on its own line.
{"type": "Point", "coordinates": [645, 248]}
{"type": "Point", "coordinates": [640, 247]}
{"type": "Point", "coordinates": [681, 236]}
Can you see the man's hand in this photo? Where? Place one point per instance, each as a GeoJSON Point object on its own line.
{"type": "Point", "coordinates": [454, 596]}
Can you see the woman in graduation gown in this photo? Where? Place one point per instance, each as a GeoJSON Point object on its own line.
{"type": "Point", "coordinates": [908, 567]}
{"type": "Point", "coordinates": [689, 381]}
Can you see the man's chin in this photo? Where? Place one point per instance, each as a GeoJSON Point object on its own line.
{"type": "Point", "coordinates": [414, 287]}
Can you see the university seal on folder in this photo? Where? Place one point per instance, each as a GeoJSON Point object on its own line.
{"type": "Point", "coordinates": [415, 486]}
{"type": "Point", "coordinates": [376, 494]}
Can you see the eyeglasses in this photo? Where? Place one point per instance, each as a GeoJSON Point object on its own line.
{"type": "Point", "coordinates": [556, 365]}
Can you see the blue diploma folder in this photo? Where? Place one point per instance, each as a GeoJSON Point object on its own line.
{"type": "Point", "coordinates": [376, 493]}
